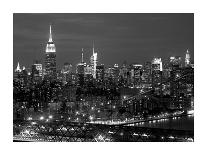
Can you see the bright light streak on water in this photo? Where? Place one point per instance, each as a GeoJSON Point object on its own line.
{"type": "Point", "coordinates": [179, 123]}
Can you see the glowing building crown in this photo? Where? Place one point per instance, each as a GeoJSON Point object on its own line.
{"type": "Point", "coordinates": [50, 45]}
{"type": "Point", "coordinates": [18, 69]}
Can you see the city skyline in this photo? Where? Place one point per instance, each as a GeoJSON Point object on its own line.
{"type": "Point", "coordinates": [104, 78]}
{"type": "Point", "coordinates": [170, 43]}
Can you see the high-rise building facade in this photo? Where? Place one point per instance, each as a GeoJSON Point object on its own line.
{"type": "Point", "coordinates": [146, 74]}
{"type": "Point", "coordinates": [18, 73]}
{"type": "Point", "coordinates": [187, 59]}
{"type": "Point", "coordinates": [67, 68]}
{"type": "Point", "coordinates": [80, 71]}
{"type": "Point", "coordinates": [135, 73]}
{"type": "Point", "coordinates": [175, 62]}
{"type": "Point", "coordinates": [94, 63]}
{"type": "Point", "coordinates": [50, 59]}
{"type": "Point", "coordinates": [157, 75]}
{"type": "Point", "coordinates": [37, 71]}
{"type": "Point", "coordinates": [100, 73]}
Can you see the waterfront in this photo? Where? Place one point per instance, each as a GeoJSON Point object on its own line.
{"type": "Point", "coordinates": [177, 123]}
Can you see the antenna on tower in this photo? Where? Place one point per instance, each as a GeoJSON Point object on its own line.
{"type": "Point", "coordinates": [50, 37]}
{"type": "Point", "coordinates": [93, 46]}
{"type": "Point", "coordinates": [82, 56]}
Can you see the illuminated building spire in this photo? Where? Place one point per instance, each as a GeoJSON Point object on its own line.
{"type": "Point", "coordinates": [82, 56]}
{"type": "Point", "coordinates": [94, 62]}
{"type": "Point", "coordinates": [18, 68]}
{"type": "Point", "coordinates": [50, 45]}
{"type": "Point", "coordinates": [50, 58]}
{"type": "Point", "coordinates": [93, 47]}
{"type": "Point", "coordinates": [50, 37]}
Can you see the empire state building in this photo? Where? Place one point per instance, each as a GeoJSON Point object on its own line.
{"type": "Point", "coordinates": [50, 59]}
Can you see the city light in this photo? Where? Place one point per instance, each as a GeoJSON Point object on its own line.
{"type": "Point", "coordinates": [33, 123]}
{"type": "Point", "coordinates": [29, 118]}
{"type": "Point", "coordinates": [190, 112]}
{"type": "Point", "coordinates": [171, 137]}
{"type": "Point", "coordinates": [41, 118]}
{"type": "Point", "coordinates": [135, 134]}
{"type": "Point", "coordinates": [128, 101]}
{"type": "Point", "coordinates": [91, 118]}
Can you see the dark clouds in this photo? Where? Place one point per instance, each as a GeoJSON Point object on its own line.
{"type": "Point", "coordinates": [117, 37]}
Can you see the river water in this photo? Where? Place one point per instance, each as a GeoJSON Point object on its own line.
{"type": "Point", "coordinates": [178, 123]}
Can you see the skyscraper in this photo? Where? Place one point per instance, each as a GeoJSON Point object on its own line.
{"type": "Point", "coordinates": [157, 75]}
{"type": "Point", "coordinates": [18, 72]}
{"type": "Point", "coordinates": [80, 66]}
{"type": "Point", "coordinates": [50, 59]}
{"type": "Point", "coordinates": [94, 63]}
{"type": "Point", "coordinates": [175, 62]}
{"type": "Point", "coordinates": [100, 72]}
{"type": "Point", "coordinates": [136, 73]}
{"type": "Point", "coordinates": [66, 72]}
{"type": "Point", "coordinates": [80, 71]}
{"type": "Point", "coordinates": [18, 69]}
{"type": "Point", "coordinates": [36, 71]}
{"type": "Point", "coordinates": [187, 59]}
{"type": "Point", "coordinates": [146, 75]}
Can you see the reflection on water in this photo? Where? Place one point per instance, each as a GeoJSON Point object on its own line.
{"type": "Point", "coordinates": [179, 123]}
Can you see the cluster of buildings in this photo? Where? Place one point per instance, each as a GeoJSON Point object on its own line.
{"type": "Point", "coordinates": [161, 78]}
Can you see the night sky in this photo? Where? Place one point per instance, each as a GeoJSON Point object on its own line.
{"type": "Point", "coordinates": [135, 38]}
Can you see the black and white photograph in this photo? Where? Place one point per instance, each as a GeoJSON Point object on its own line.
{"type": "Point", "coordinates": [103, 77]}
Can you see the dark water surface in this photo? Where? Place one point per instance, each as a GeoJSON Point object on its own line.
{"type": "Point", "coordinates": [179, 123]}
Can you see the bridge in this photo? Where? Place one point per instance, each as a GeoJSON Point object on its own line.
{"type": "Point", "coordinates": [84, 132]}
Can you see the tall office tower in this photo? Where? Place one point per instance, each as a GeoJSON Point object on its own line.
{"type": "Point", "coordinates": [175, 62]}
{"type": "Point", "coordinates": [110, 73]}
{"type": "Point", "coordinates": [146, 74]}
{"type": "Point", "coordinates": [157, 75]}
{"type": "Point", "coordinates": [100, 73]}
{"type": "Point", "coordinates": [17, 73]}
{"type": "Point", "coordinates": [36, 71]}
{"type": "Point", "coordinates": [187, 59]}
{"type": "Point", "coordinates": [94, 63]}
{"type": "Point", "coordinates": [157, 64]}
{"type": "Point", "coordinates": [124, 75]}
{"type": "Point", "coordinates": [80, 71]}
{"type": "Point", "coordinates": [66, 72]}
{"type": "Point", "coordinates": [21, 76]}
{"type": "Point", "coordinates": [80, 66]}
{"type": "Point", "coordinates": [175, 72]}
{"type": "Point", "coordinates": [50, 59]}
{"type": "Point", "coordinates": [25, 75]}
{"type": "Point", "coordinates": [67, 68]}
{"type": "Point", "coordinates": [88, 70]}
{"type": "Point", "coordinates": [136, 73]}
{"type": "Point", "coordinates": [124, 71]}
{"type": "Point", "coordinates": [116, 72]}
{"type": "Point", "coordinates": [88, 74]}
{"type": "Point", "coordinates": [177, 88]}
